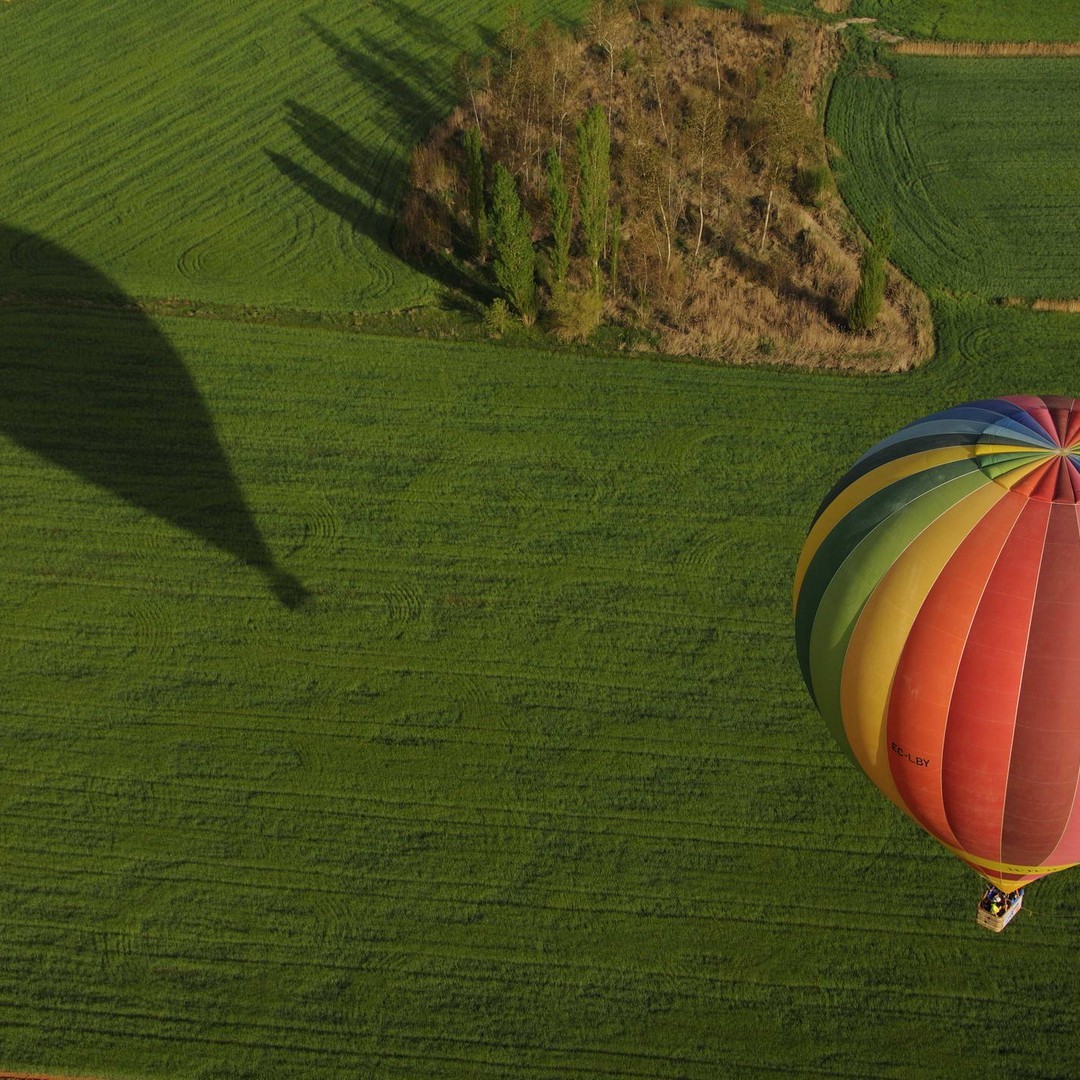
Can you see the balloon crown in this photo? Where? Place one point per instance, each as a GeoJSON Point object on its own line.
{"type": "Point", "coordinates": [1033, 448]}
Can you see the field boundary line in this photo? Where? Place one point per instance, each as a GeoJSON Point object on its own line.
{"type": "Point", "coordinates": [988, 49]}
{"type": "Point", "coordinates": [43, 1076]}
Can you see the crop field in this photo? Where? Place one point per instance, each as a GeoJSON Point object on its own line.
{"type": "Point", "coordinates": [529, 784]}
{"type": "Point", "coordinates": [381, 707]}
{"type": "Point", "coordinates": [254, 152]}
{"type": "Point", "coordinates": [978, 163]}
{"type": "Point", "coordinates": [976, 20]}
{"type": "Point", "coordinates": [957, 20]}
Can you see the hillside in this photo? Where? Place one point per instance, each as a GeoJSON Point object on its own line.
{"type": "Point", "coordinates": [730, 241]}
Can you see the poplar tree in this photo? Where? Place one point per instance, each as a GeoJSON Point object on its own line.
{"type": "Point", "coordinates": [594, 163]}
{"type": "Point", "coordinates": [515, 257]}
{"type": "Point", "coordinates": [869, 296]}
{"type": "Point", "coordinates": [561, 219]}
{"type": "Point", "coordinates": [474, 176]}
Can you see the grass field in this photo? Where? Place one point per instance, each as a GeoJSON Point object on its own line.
{"type": "Point", "coordinates": [976, 20]}
{"type": "Point", "coordinates": [529, 785]}
{"type": "Point", "coordinates": [246, 152]}
{"type": "Point", "coordinates": [977, 162]}
{"type": "Point", "coordinates": [958, 20]}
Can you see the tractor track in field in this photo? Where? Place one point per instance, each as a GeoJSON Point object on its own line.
{"type": "Point", "coordinates": [153, 632]}
{"type": "Point", "coordinates": [321, 527]}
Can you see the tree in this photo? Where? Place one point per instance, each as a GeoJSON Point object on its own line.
{"type": "Point", "coordinates": [789, 132]}
{"type": "Point", "coordinates": [561, 219]}
{"type": "Point", "coordinates": [705, 128]}
{"type": "Point", "coordinates": [866, 304]}
{"type": "Point", "coordinates": [474, 177]}
{"type": "Point", "coordinates": [465, 82]}
{"type": "Point", "coordinates": [515, 256]}
{"type": "Point", "coordinates": [606, 24]}
{"type": "Point", "coordinates": [512, 38]}
{"type": "Point", "coordinates": [594, 163]}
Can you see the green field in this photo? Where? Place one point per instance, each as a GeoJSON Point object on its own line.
{"type": "Point", "coordinates": [957, 20]}
{"type": "Point", "coordinates": [245, 152]}
{"type": "Point", "coordinates": [978, 163]}
{"type": "Point", "coordinates": [529, 786]}
{"type": "Point", "coordinates": [976, 20]}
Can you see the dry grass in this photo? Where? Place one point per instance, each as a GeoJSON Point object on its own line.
{"type": "Point", "coordinates": [739, 320]}
{"type": "Point", "coordinates": [989, 48]}
{"type": "Point", "coordinates": [1042, 303]}
{"type": "Point", "coordinates": [834, 7]}
{"type": "Point", "coordinates": [1071, 307]}
{"type": "Point", "coordinates": [38, 1076]}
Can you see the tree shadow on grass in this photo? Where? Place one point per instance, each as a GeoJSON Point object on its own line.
{"type": "Point", "coordinates": [89, 383]}
{"type": "Point", "coordinates": [360, 183]}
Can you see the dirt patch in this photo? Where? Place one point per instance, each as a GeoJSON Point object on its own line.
{"type": "Point", "coordinates": [974, 49]}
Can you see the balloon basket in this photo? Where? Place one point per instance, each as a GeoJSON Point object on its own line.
{"type": "Point", "coordinates": [998, 922]}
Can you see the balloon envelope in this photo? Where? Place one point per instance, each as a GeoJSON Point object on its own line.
{"type": "Point", "coordinates": [937, 614]}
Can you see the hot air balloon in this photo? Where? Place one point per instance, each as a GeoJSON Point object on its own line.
{"type": "Point", "coordinates": [937, 623]}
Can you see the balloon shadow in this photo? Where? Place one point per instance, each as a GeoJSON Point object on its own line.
{"type": "Point", "coordinates": [88, 382]}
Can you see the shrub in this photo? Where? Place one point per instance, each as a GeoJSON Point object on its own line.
{"type": "Point", "coordinates": [754, 15]}
{"type": "Point", "coordinates": [812, 183]}
{"type": "Point", "coordinates": [574, 314]}
{"type": "Point", "coordinates": [497, 318]}
{"type": "Point", "coordinates": [871, 291]}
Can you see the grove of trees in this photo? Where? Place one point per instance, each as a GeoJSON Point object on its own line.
{"type": "Point", "coordinates": [663, 169]}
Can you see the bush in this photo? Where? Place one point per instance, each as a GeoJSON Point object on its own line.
{"type": "Point", "coordinates": [871, 291]}
{"type": "Point", "coordinates": [812, 183]}
{"type": "Point", "coordinates": [574, 315]}
{"type": "Point", "coordinates": [497, 318]}
{"type": "Point", "coordinates": [861, 52]}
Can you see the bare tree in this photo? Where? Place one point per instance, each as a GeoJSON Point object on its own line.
{"type": "Point", "coordinates": [704, 129]}
{"type": "Point", "coordinates": [607, 24]}
{"type": "Point", "coordinates": [789, 133]}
